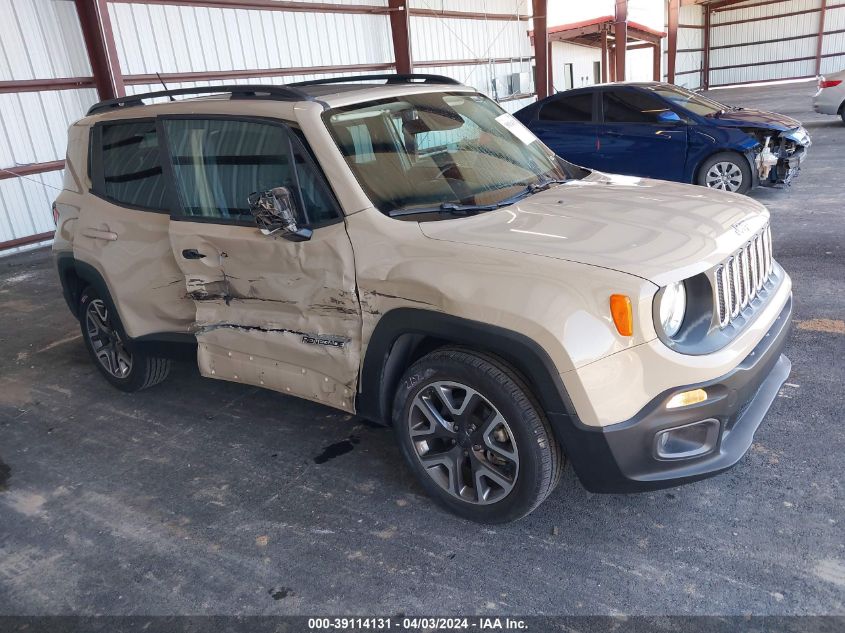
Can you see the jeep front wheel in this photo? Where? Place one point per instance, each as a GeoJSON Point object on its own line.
{"type": "Point", "coordinates": [471, 432]}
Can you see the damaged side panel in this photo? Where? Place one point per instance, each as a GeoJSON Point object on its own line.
{"type": "Point", "coordinates": [271, 312]}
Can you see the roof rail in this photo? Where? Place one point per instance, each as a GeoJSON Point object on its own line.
{"type": "Point", "coordinates": [245, 91]}
{"type": "Point", "coordinates": [413, 78]}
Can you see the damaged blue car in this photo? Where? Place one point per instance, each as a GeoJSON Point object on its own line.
{"type": "Point", "coordinates": [658, 130]}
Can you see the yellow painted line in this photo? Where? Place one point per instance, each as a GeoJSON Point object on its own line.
{"type": "Point", "coordinates": [831, 326]}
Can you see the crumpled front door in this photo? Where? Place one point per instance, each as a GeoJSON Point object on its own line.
{"type": "Point", "coordinates": [271, 312]}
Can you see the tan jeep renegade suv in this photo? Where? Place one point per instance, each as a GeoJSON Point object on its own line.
{"type": "Point", "coordinates": [400, 248]}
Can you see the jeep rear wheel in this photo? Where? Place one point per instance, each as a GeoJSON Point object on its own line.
{"type": "Point", "coordinates": [471, 432]}
{"type": "Point", "coordinates": [128, 369]}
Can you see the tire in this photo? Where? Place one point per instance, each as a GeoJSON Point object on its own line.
{"type": "Point", "coordinates": [127, 368]}
{"type": "Point", "coordinates": [842, 113]}
{"type": "Point", "coordinates": [491, 431]}
{"type": "Point", "coordinates": [734, 167]}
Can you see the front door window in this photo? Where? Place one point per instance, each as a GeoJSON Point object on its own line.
{"type": "Point", "coordinates": [217, 163]}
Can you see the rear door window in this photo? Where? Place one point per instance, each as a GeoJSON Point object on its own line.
{"type": "Point", "coordinates": [577, 108]}
{"type": "Point", "coordinates": [126, 168]}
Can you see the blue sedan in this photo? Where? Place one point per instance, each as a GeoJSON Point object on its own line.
{"type": "Point", "coordinates": [658, 130]}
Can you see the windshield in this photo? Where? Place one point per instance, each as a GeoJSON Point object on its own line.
{"type": "Point", "coordinates": [442, 152]}
{"type": "Point", "coordinates": [695, 103]}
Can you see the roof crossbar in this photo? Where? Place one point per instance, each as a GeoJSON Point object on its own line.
{"type": "Point", "coordinates": [237, 91]}
{"type": "Point", "coordinates": [389, 78]}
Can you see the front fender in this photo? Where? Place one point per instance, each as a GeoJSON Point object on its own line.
{"type": "Point", "coordinates": [704, 142]}
{"type": "Point", "coordinates": [400, 331]}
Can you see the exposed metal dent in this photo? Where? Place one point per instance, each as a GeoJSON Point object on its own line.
{"type": "Point", "coordinates": [275, 313]}
{"type": "Point", "coordinates": [210, 327]}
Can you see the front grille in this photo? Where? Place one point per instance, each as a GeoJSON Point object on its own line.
{"type": "Point", "coordinates": [741, 277]}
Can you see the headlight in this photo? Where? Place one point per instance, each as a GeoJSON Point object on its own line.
{"type": "Point", "coordinates": [673, 306]}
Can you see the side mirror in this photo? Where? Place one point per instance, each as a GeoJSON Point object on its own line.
{"type": "Point", "coordinates": [274, 214]}
{"type": "Point", "coordinates": [668, 116]}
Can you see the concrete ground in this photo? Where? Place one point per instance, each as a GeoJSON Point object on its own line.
{"type": "Point", "coordinates": [200, 496]}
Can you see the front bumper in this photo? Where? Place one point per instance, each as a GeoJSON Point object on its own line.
{"type": "Point", "coordinates": [624, 457]}
{"type": "Point", "coordinates": [786, 169]}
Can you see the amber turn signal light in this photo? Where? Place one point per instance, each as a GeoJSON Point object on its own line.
{"type": "Point", "coordinates": [623, 314]}
{"type": "Point", "coordinates": [686, 398]}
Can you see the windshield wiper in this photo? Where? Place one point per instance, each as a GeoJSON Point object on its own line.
{"type": "Point", "coordinates": [534, 187]}
{"type": "Point", "coordinates": [542, 185]}
{"type": "Point", "coordinates": [471, 209]}
{"type": "Point", "coordinates": [447, 207]}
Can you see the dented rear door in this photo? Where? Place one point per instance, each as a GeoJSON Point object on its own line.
{"type": "Point", "coordinates": [269, 312]}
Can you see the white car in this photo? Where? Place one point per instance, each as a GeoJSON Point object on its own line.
{"type": "Point", "coordinates": [830, 99]}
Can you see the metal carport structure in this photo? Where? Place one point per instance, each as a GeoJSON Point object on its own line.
{"type": "Point", "coordinates": [58, 57]}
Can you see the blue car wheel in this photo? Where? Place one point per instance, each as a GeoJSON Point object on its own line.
{"type": "Point", "coordinates": [727, 171]}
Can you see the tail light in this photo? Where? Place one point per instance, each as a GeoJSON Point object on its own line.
{"type": "Point", "coordinates": [829, 83]}
{"type": "Point", "coordinates": [55, 214]}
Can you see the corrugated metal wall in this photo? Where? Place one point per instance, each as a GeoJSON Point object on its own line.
{"type": "Point", "coordinates": [41, 39]}
{"type": "Point", "coordinates": [733, 60]}
{"type": "Point", "coordinates": [180, 39]}
{"type": "Point", "coordinates": [834, 44]}
{"type": "Point", "coordinates": [438, 38]}
{"type": "Point", "coordinates": [690, 59]}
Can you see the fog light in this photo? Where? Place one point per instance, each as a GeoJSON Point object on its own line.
{"type": "Point", "coordinates": [686, 398]}
{"type": "Point", "coordinates": [690, 440]}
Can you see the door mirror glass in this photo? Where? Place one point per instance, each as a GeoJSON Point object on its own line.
{"type": "Point", "coordinates": [275, 214]}
{"type": "Point", "coordinates": [667, 116]}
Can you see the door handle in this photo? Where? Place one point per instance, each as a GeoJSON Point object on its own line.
{"type": "Point", "coordinates": [192, 253]}
{"type": "Point", "coordinates": [97, 234]}
{"type": "Point", "coordinates": [613, 133]}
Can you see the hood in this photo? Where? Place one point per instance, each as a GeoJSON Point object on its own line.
{"type": "Point", "coordinates": [656, 230]}
{"type": "Point", "coordinates": [755, 118]}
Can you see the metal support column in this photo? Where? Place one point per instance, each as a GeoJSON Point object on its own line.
{"type": "Point", "coordinates": [541, 48]}
{"type": "Point", "coordinates": [401, 32]}
{"type": "Point", "coordinates": [820, 41]}
{"type": "Point", "coordinates": [705, 79]}
{"type": "Point", "coordinates": [672, 44]}
{"type": "Point", "coordinates": [620, 32]}
{"type": "Point", "coordinates": [99, 42]}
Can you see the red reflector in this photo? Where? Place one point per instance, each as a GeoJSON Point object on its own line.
{"type": "Point", "coordinates": [55, 214]}
{"type": "Point", "coordinates": [829, 83]}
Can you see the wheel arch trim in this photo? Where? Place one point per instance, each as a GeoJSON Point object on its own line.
{"type": "Point", "coordinates": [159, 343]}
{"type": "Point", "coordinates": [400, 331]}
{"type": "Point", "coordinates": [728, 150]}
{"type": "Point", "coordinates": [68, 264]}
{"type": "Point", "coordinates": [386, 359]}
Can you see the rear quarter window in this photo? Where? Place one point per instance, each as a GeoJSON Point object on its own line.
{"type": "Point", "coordinates": [126, 165]}
{"type": "Point", "coordinates": [569, 109]}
